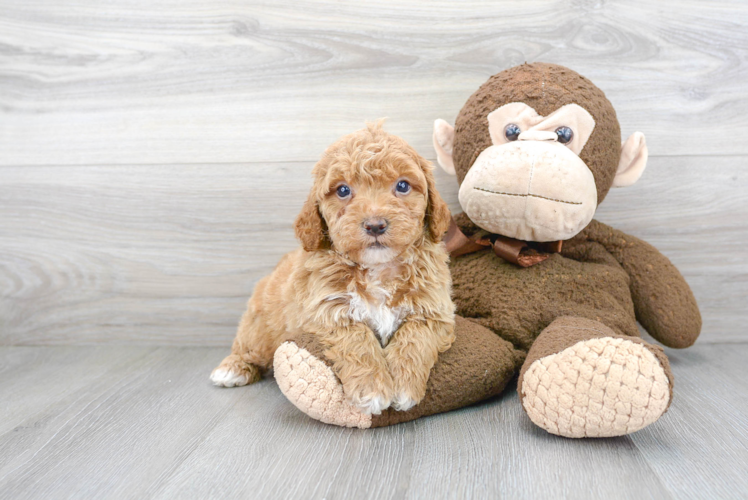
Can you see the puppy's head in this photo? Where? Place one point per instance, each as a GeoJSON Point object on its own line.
{"type": "Point", "coordinates": [373, 196]}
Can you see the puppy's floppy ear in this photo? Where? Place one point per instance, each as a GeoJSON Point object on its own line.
{"type": "Point", "coordinates": [310, 228]}
{"type": "Point", "coordinates": [437, 211]}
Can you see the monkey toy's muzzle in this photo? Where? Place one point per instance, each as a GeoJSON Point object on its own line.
{"type": "Point", "coordinates": [530, 190]}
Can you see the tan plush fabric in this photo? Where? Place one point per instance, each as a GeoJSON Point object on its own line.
{"type": "Point", "coordinates": [575, 312]}
{"type": "Point", "coordinates": [477, 366]}
{"type": "Point", "coordinates": [532, 191]}
{"type": "Point", "coordinates": [312, 386]}
{"type": "Point", "coordinates": [634, 155]}
{"type": "Point", "coordinates": [599, 385]}
{"type": "Point", "coordinates": [528, 120]}
{"type": "Point", "coordinates": [545, 88]}
{"type": "Point", "coordinates": [443, 138]}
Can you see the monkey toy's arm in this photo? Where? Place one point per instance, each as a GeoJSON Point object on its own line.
{"type": "Point", "coordinates": [663, 301]}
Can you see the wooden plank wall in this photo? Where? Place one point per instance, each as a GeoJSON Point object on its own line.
{"type": "Point", "coordinates": [153, 154]}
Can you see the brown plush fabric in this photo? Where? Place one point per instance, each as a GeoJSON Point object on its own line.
{"type": "Point", "coordinates": [601, 274]}
{"type": "Point", "coordinates": [663, 301]}
{"type": "Point", "coordinates": [602, 279]}
{"type": "Point", "coordinates": [566, 331]}
{"type": "Point", "coordinates": [310, 342]}
{"type": "Point", "coordinates": [518, 303]}
{"type": "Point", "coordinates": [545, 88]}
{"type": "Point", "coordinates": [477, 366]}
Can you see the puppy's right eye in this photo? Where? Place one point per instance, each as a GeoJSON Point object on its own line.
{"type": "Point", "coordinates": [402, 187]}
{"type": "Point", "coordinates": [343, 191]}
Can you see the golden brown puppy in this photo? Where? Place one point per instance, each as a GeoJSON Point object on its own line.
{"type": "Point", "coordinates": [371, 279]}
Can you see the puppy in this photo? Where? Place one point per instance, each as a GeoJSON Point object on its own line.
{"type": "Point", "coordinates": [371, 280]}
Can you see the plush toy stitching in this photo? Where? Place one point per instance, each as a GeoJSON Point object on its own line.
{"type": "Point", "coordinates": [529, 194]}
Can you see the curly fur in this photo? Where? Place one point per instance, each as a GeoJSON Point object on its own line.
{"type": "Point", "coordinates": [381, 305]}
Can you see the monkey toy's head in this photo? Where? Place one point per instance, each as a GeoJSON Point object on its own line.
{"type": "Point", "coordinates": [535, 150]}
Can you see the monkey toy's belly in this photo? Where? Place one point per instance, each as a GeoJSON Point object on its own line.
{"type": "Point", "coordinates": [518, 303]}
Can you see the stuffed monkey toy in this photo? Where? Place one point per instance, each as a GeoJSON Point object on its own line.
{"type": "Point", "coordinates": [541, 288]}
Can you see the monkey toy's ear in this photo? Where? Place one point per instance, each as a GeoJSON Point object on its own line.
{"type": "Point", "coordinates": [444, 136]}
{"type": "Point", "coordinates": [633, 161]}
{"type": "Point", "coordinates": [310, 228]}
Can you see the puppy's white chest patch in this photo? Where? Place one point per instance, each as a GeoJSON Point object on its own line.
{"type": "Point", "coordinates": [376, 314]}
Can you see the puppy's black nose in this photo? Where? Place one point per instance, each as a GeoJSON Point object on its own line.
{"type": "Point", "coordinates": [375, 227]}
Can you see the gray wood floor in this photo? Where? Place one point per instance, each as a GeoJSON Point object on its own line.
{"type": "Point", "coordinates": [143, 422]}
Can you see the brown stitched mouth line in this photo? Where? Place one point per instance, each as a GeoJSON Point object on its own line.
{"type": "Point", "coordinates": [530, 194]}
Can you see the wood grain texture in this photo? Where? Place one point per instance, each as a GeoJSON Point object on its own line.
{"type": "Point", "coordinates": [120, 436]}
{"type": "Point", "coordinates": [153, 156]}
{"type": "Point", "coordinates": [145, 254]}
{"type": "Point", "coordinates": [35, 379]}
{"type": "Point", "coordinates": [168, 255]}
{"type": "Point", "coordinates": [707, 414]}
{"type": "Point", "coordinates": [171, 82]}
{"type": "Point", "coordinates": [151, 426]}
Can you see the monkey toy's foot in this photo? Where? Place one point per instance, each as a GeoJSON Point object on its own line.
{"type": "Point", "coordinates": [478, 365]}
{"type": "Point", "coordinates": [581, 379]}
{"type": "Point", "coordinates": [305, 378]}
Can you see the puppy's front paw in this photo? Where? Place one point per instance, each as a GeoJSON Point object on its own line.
{"type": "Point", "coordinates": [404, 402]}
{"type": "Point", "coordinates": [409, 383]}
{"type": "Point", "coordinates": [372, 404]}
{"type": "Point", "coordinates": [372, 393]}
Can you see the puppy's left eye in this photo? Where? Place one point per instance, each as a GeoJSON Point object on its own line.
{"type": "Point", "coordinates": [343, 191]}
{"type": "Point", "coordinates": [402, 187]}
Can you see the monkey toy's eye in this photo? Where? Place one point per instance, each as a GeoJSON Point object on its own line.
{"type": "Point", "coordinates": [402, 187]}
{"type": "Point", "coordinates": [343, 191]}
{"type": "Point", "coordinates": [565, 135]}
{"type": "Point", "coordinates": [511, 132]}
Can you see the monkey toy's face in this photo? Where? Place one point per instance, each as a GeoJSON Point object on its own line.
{"type": "Point", "coordinates": [522, 157]}
{"type": "Point", "coordinates": [530, 184]}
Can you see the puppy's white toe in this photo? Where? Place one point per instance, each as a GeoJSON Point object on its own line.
{"type": "Point", "coordinates": [373, 404]}
{"type": "Point", "coordinates": [223, 377]}
{"type": "Point", "coordinates": [403, 402]}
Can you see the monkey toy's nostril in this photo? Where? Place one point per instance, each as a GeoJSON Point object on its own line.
{"type": "Point", "coordinates": [375, 227]}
